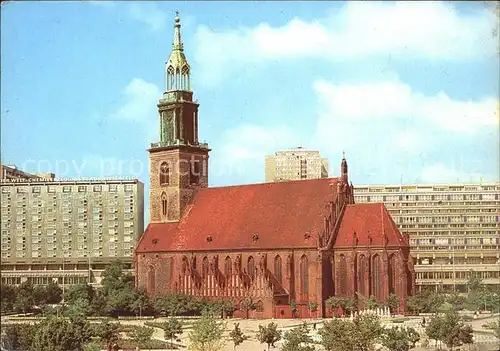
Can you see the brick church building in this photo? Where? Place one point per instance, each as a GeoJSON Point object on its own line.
{"type": "Point", "coordinates": [301, 241]}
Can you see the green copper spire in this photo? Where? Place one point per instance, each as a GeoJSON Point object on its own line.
{"type": "Point", "coordinates": [177, 67]}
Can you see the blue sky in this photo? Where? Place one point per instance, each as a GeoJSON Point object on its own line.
{"type": "Point", "coordinates": [408, 90]}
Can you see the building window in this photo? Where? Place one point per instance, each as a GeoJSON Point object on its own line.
{"type": "Point", "coordinates": [194, 176]}
{"type": "Point", "coordinates": [204, 267]}
{"type": "Point", "coordinates": [164, 204]}
{"type": "Point", "coordinates": [393, 264]}
{"type": "Point", "coordinates": [251, 267]}
{"type": "Point", "coordinates": [304, 275]}
{"type": "Point", "coordinates": [164, 174]}
{"type": "Point", "coordinates": [362, 276]}
{"type": "Point", "coordinates": [227, 267]}
{"type": "Point", "coordinates": [377, 275]}
{"type": "Point", "coordinates": [259, 306]}
{"type": "Point", "coordinates": [342, 272]}
{"type": "Point", "coordinates": [277, 269]}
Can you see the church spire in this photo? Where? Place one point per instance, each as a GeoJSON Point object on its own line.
{"type": "Point", "coordinates": [177, 43]}
{"type": "Point", "coordinates": [343, 169]}
{"type": "Point", "coordinates": [177, 68]}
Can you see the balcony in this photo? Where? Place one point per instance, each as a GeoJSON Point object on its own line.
{"type": "Point", "coordinates": [163, 144]}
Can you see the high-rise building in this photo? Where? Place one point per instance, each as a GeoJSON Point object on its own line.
{"type": "Point", "coordinates": [453, 228]}
{"type": "Point", "coordinates": [295, 164]}
{"type": "Point", "coordinates": [67, 231]}
{"type": "Point", "coordinates": [12, 172]}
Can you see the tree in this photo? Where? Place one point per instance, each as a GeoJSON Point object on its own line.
{"type": "Point", "coordinates": [298, 339]}
{"type": "Point", "coordinates": [79, 308]}
{"type": "Point", "coordinates": [466, 335]}
{"type": "Point", "coordinates": [474, 283]}
{"type": "Point", "coordinates": [434, 328]}
{"type": "Point", "coordinates": [79, 291]}
{"type": "Point", "coordinates": [247, 305]}
{"type": "Point", "coordinates": [57, 334]}
{"type": "Point", "coordinates": [175, 304]}
{"type": "Point", "coordinates": [39, 296]}
{"type": "Point", "coordinates": [227, 308]}
{"type": "Point", "coordinates": [206, 334]}
{"type": "Point", "coordinates": [371, 303]}
{"type": "Point", "coordinates": [141, 303]}
{"type": "Point", "coordinates": [495, 326]}
{"type": "Point", "coordinates": [313, 306]}
{"type": "Point", "coordinates": [237, 336]}
{"type": "Point", "coordinates": [348, 304]}
{"type": "Point", "coordinates": [24, 298]}
{"type": "Point", "coordinates": [141, 336]}
{"type": "Point", "coordinates": [360, 334]}
{"type": "Point", "coordinates": [53, 293]}
{"type": "Point", "coordinates": [293, 308]}
{"type": "Point", "coordinates": [399, 339]}
{"type": "Point", "coordinates": [92, 346]}
{"type": "Point", "coordinates": [392, 302]}
{"type": "Point", "coordinates": [367, 330]}
{"type": "Point", "coordinates": [7, 297]}
{"type": "Point", "coordinates": [114, 279]}
{"type": "Point", "coordinates": [338, 335]}
{"type": "Point", "coordinates": [333, 302]}
{"type": "Point", "coordinates": [269, 334]}
{"type": "Point", "coordinates": [171, 328]}
{"type": "Point", "coordinates": [108, 333]}
{"type": "Point", "coordinates": [413, 304]}
{"type": "Point", "coordinates": [17, 336]}
{"type": "Point", "coordinates": [448, 329]}
{"type": "Point", "coordinates": [119, 302]}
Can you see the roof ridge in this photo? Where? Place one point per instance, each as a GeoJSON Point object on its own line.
{"type": "Point", "coordinates": [270, 183]}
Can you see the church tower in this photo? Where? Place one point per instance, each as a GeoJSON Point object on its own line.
{"type": "Point", "coordinates": [178, 163]}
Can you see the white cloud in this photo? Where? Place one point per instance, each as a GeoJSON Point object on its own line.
{"type": "Point", "coordinates": [427, 30]}
{"type": "Point", "coordinates": [252, 143]}
{"type": "Point", "coordinates": [385, 101]}
{"type": "Point", "coordinates": [139, 105]}
{"type": "Point", "coordinates": [149, 14]}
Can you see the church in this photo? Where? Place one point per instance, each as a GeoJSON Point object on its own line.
{"type": "Point", "coordinates": [295, 242]}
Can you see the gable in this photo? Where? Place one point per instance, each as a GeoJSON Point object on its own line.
{"type": "Point", "coordinates": [368, 221]}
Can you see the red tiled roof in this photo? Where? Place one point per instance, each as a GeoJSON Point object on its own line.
{"type": "Point", "coordinates": [279, 213]}
{"type": "Point", "coordinates": [368, 220]}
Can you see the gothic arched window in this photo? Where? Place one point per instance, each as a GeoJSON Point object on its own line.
{"type": "Point", "coordinates": [304, 275]}
{"type": "Point", "coordinates": [151, 280]}
{"type": "Point", "coordinates": [259, 306]}
{"type": "Point", "coordinates": [164, 174]}
{"type": "Point", "coordinates": [164, 204]}
{"type": "Point", "coordinates": [251, 267]}
{"type": "Point", "coordinates": [227, 267]}
{"type": "Point", "coordinates": [185, 264]}
{"type": "Point", "coordinates": [393, 264]}
{"type": "Point", "coordinates": [205, 267]}
{"type": "Point", "coordinates": [376, 277]}
{"type": "Point", "coordinates": [277, 269]}
{"type": "Point", "coordinates": [194, 176]}
{"type": "Point", "coordinates": [342, 272]}
{"type": "Point", "coordinates": [362, 277]}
